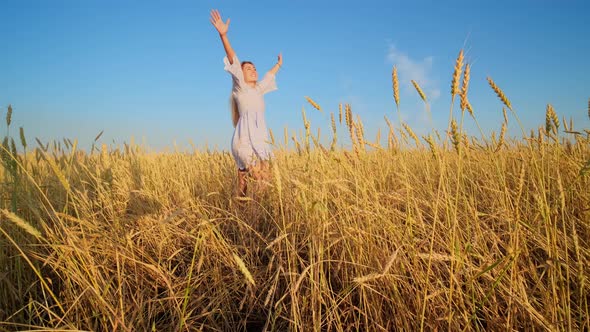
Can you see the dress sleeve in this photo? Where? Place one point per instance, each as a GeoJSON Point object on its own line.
{"type": "Point", "coordinates": [268, 83]}
{"type": "Point", "coordinates": [235, 69]}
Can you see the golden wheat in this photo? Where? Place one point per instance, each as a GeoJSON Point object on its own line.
{"type": "Point", "coordinates": [551, 120]}
{"type": "Point", "coordinates": [395, 83]}
{"type": "Point", "coordinates": [465, 87]}
{"type": "Point", "coordinates": [457, 75]}
{"type": "Point", "coordinates": [244, 269]}
{"type": "Point", "coordinates": [431, 145]}
{"type": "Point", "coordinates": [135, 240]}
{"type": "Point", "coordinates": [412, 134]}
{"type": "Point", "coordinates": [272, 136]}
{"type": "Point", "coordinates": [348, 115]}
{"type": "Point", "coordinates": [392, 141]}
{"type": "Point", "coordinates": [313, 103]}
{"type": "Point", "coordinates": [333, 122]}
{"type": "Point", "coordinates": [469, 108]}
{"type": "Point", "coordinates": [501, 139]}
{"type": "Point", "coordinates": [419, 90]}
{"type": "Point", "coordinates": [500, 93]}
{"type": "Point", "coordinates": [455, 135]}
{"type": "Point", "coordinates": [554, 118]}
{"type": "Point", "coordinates": [360, 133]}
{"type": "Point", "coordinates": [548, 110]}
{"type": "Point", "coordinates": [18, 221]}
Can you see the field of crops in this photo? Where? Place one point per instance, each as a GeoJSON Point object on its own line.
{"type": "Point", "coordinates": [441, 232]}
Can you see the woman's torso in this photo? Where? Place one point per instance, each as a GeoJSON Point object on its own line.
{"type": "Point", "coordinates": [251, 127]}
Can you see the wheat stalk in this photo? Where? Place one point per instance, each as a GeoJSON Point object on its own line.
{"type": "Point", "coordinates": [360, 133]}
{"type": "Point", "coordinates": [352, 130]}
{"type": "Point", "coordinates": [296, 142]}
{"type": "Point", "coordinates": [22, 138]}
{"type": "Point", "coordinates": [551, 120]}
{"type": "Point", "coordinates": [565, 125]}
{"type": "Point", "coordinates": [9, 116]}
{"type": "Point", "coordinates": [391, 138]}
{"type": "Point", "coordinates": [333, 121]}
{"type": "Point", "coordinates": [272, 136]}
{"type": "Point", "coordinates": [548, 118]}
{"type": "Point", "coordinates": [456, 75]}
{"type": "Point", "coordinates": [334, 136]}
{"type": "Point", "coordinates": [464, 89]}
{"type": "Point", "coordinates": [277, 176]}
{"type": "Point", "coordinates": [388, 123]}
{"type": "Point", "coordinates": [313, 103]}
{"type": "Point", "coordinates": [340, 113]}
{"type": "Point", "coordinates": [466, 142]}
{"type": "Point", "coordinates": [18, 221]}
{"type": "Point", "coordinates": [5, 151]}
{"type": "Point", "coordinates": [419, 90]}
{"type": "Point", "coordinates": [348, 116]}
{"type": "Point", "coordinates": [455, 135]}
{"type": "Point", "coordinates": [244, 269]}
{"type": "Point", "coordinates": [501, 139]}
{"type": "Point", "coordinates": [378, 138]}
{"type": "Point", "coordinates": [412, 134]}
{"type": "Point", "coordinates": [44, 147]}
{"type": "Point", "coordinates": [500, 93]}
{"type": "Point", "coordinates": [395, 83]}
{"type": "Point", "coordinates": [359, 123]}
{"type": "Point", "coordinates": [286, 136]}
{"type": "Point", "coordinates": [307, 126]}
{"type": "Point", "coordinates": [454, 89]}
{"type": "Point", "coordinates": [13, 147]}
{"type": "Point", "coordinates": [431, 145]}
{"type": "Point", "coordinates": [554, 119]}
{"type": "Point", "coordinates": [541, 139]}
{"type": "Point", "coordinates": [520, 182]}
{"type": "Point", "coordinates": [469, 109]}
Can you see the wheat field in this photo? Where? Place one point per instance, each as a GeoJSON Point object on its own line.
{"type": "Point", "coordinates": [446, 231]}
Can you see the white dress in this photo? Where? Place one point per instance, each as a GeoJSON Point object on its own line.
{"type": "Point", "coordinates": [250, 139]}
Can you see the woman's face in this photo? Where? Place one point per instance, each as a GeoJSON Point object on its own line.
{"type": "Point", "coordinates": [250, 74]}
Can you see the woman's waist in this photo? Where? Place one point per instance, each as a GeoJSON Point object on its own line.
{"type": "Point", "coordinates": [249, 140]}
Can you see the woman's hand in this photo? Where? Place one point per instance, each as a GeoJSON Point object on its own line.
{"type": "Point", "coordinates": [218, 23]}
{"type": "Point", "coordinates": [276, 67]}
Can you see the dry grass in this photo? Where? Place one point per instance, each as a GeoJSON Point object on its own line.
{"type": "Point", "coordinates": [387, 238]}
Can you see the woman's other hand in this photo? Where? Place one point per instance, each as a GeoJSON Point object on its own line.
{"type": "Point", "coordinates": [218, 22]}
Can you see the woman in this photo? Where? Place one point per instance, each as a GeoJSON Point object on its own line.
{"type": "Point", "coordinates": [250, 147]}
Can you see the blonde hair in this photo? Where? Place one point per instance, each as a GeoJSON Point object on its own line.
{"type": "Point", "coordinates": [233, 106]}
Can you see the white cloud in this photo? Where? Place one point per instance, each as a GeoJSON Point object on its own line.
{"type": "Point", "coordinates": [419, 70]}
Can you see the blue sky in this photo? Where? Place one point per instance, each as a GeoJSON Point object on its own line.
{"type": "Point", "coordinates": [153, 70]}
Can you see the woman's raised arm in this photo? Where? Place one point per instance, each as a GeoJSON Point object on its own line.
{"type": "Point", "coordinates": [222, 29]}
{"type": "Point", "coordinates": [278, 65]}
